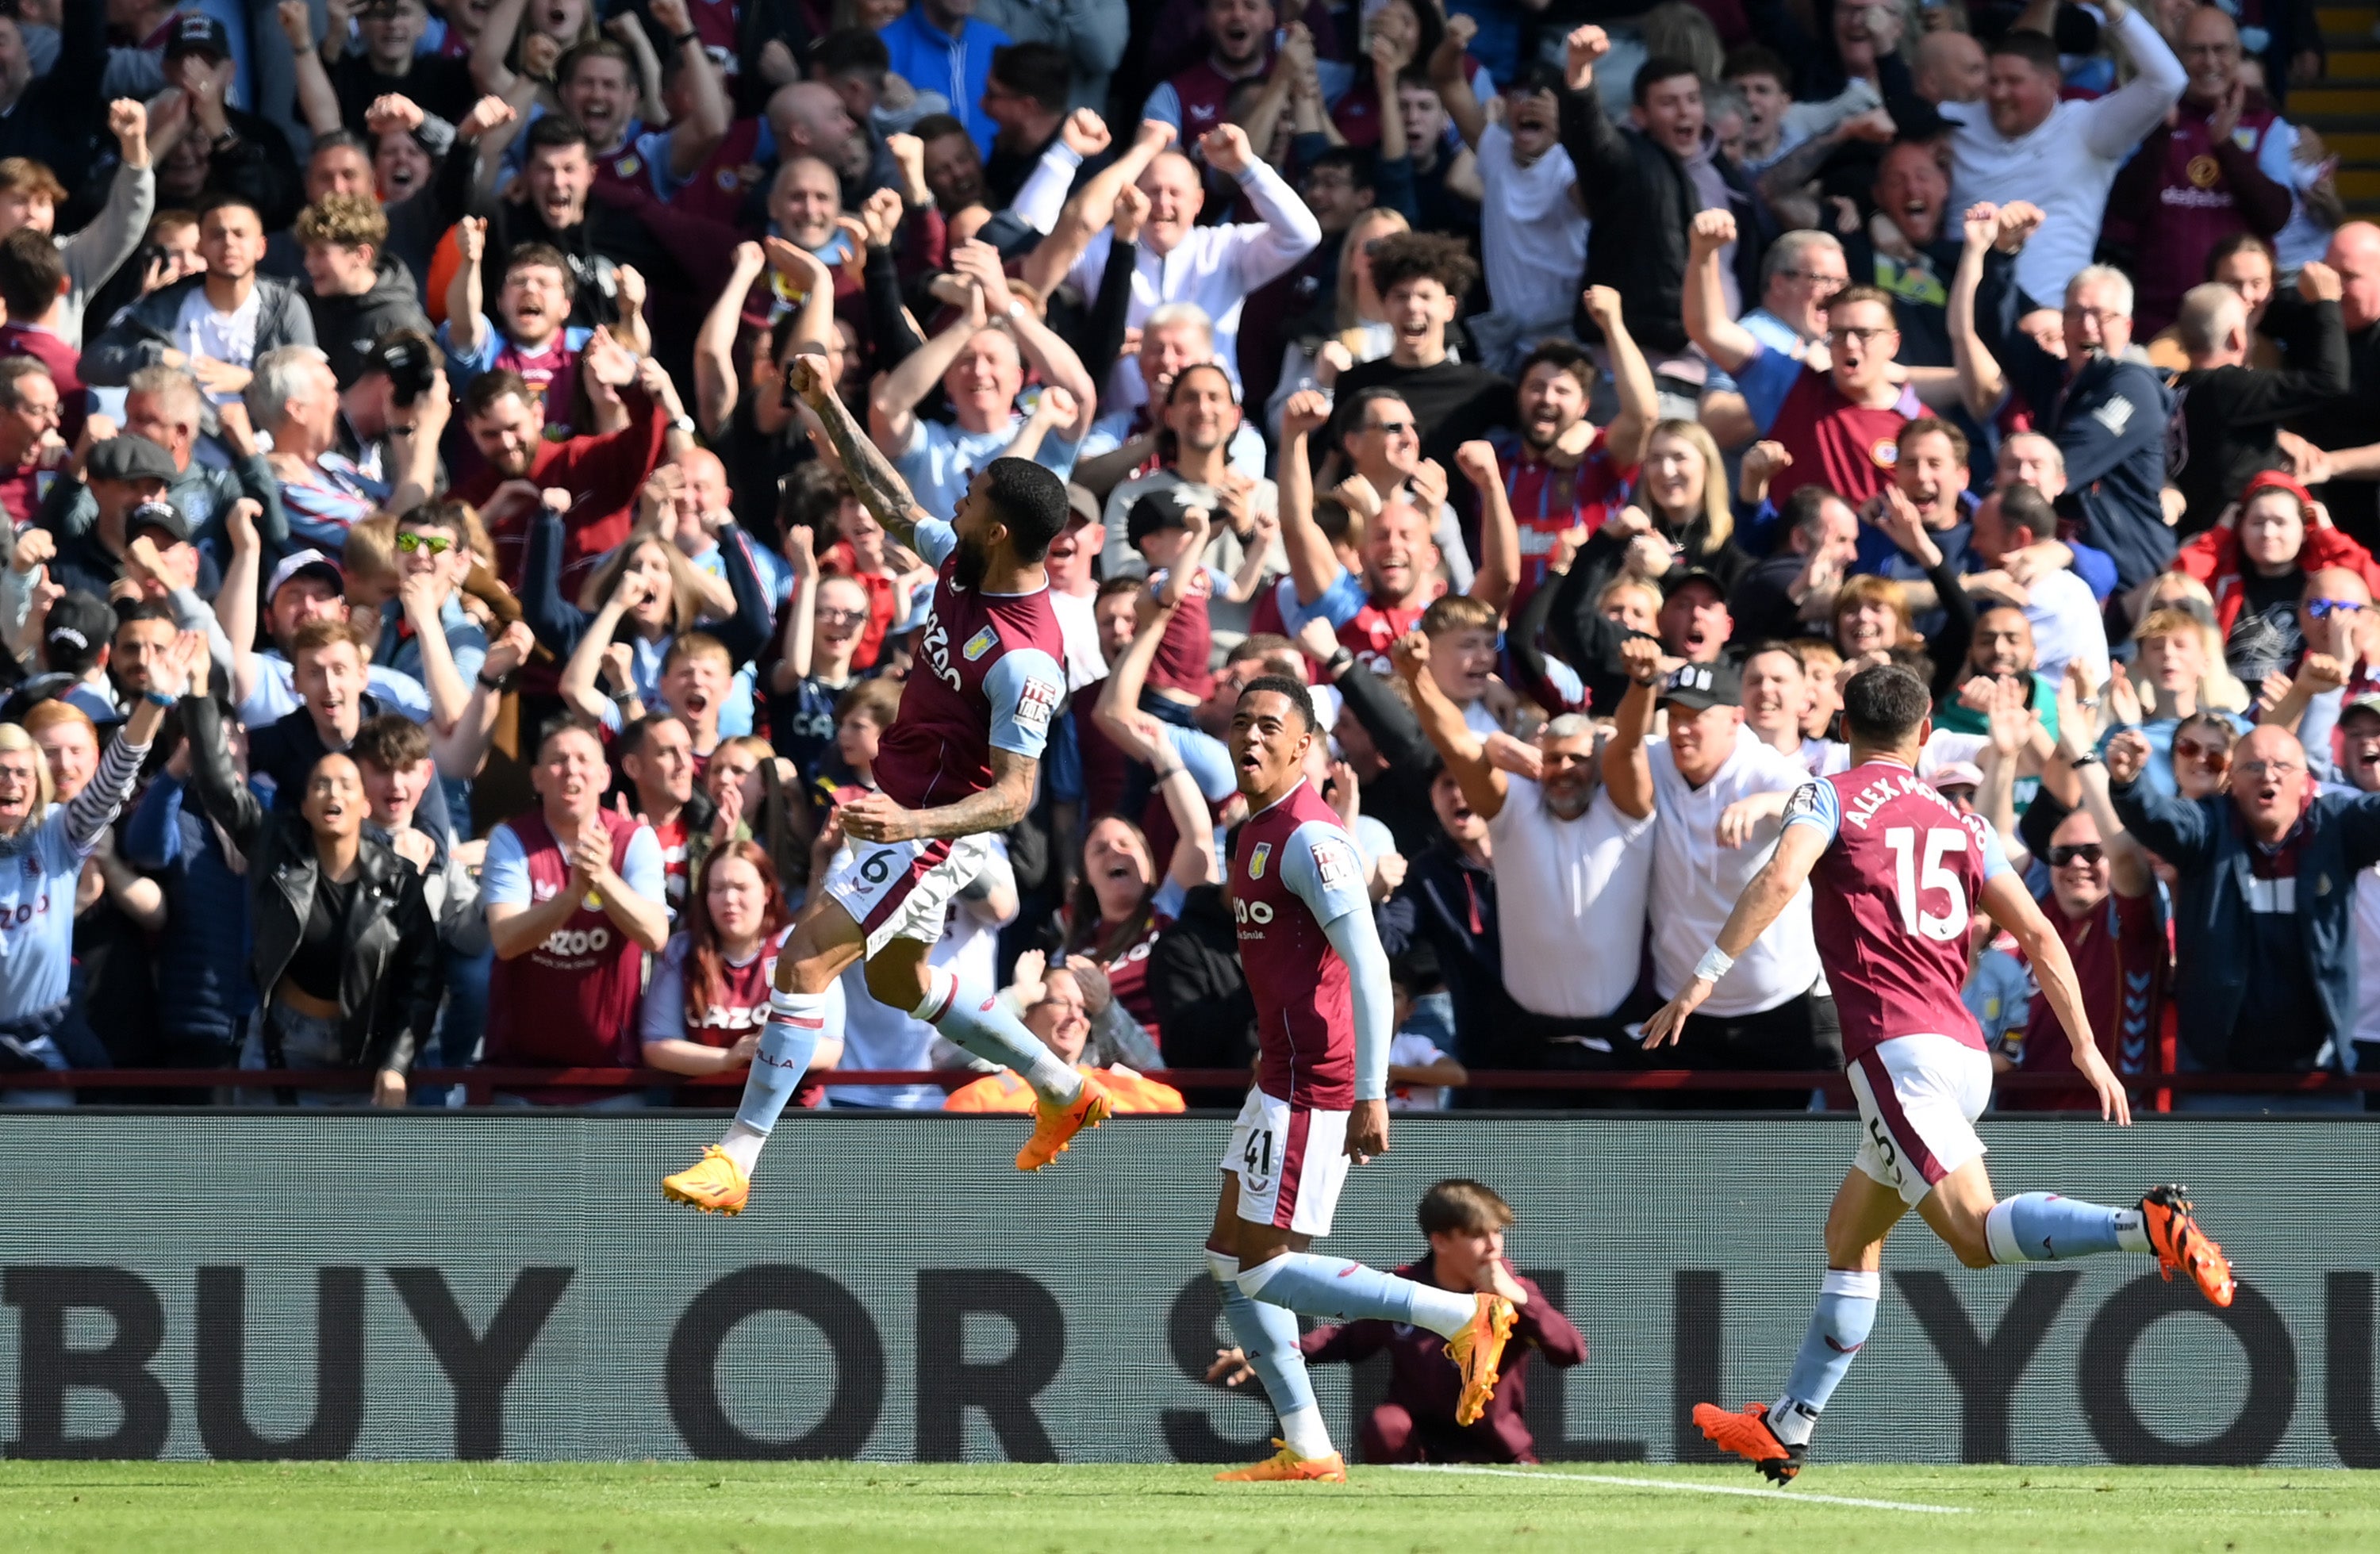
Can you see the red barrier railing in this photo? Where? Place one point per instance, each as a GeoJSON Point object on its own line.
{"type": "Point", "coordinates": [480, 1083]}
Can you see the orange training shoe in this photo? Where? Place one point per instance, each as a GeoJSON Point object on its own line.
{"type": "Point", "coordinates": [1285, 1466]}
{"type": "Point", "coordinates": [1474, 1352]}
{"type": "Point", "coordinates": [714, 1184]}
{"type": "Point", "coordinates": [1054, 1127]}
{"type": "Point", "coordinates": [1748, 1436]}
{"type": "Point", "coordinates": [2182, 1247]}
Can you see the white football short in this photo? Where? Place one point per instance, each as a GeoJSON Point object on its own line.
{"type": "Point", "coordinates": [1291, 1162]}
{"type": "Point", "coordinates": [1919, 1097]}
{"type": "Point", "coordinates": [904, 890]}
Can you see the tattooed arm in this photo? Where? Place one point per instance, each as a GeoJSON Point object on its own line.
{"type": "Point", "coordinates": [874, 818]}
{"type": "Point", "coordinates": [879, 487]}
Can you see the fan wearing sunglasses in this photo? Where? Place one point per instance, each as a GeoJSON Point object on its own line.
{"type": "Point", "coordinates": [424, 630]}
{"type": "Point", "coordinates": [2102, 902]}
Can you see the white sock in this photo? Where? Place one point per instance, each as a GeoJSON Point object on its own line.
{"type": "Point", "coordinates": [743, 1146]}
{"type": "Point", "coordinates": [2131, 1231]}
{"type": "Point", "coordinates": [1303, 1432]}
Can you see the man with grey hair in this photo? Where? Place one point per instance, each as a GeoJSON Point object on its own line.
{"type": "Point", "coordinates": [166, 405]}
{"type": "Point", "coordinates": [2231, 413]}
{"type": "Point", "coordinates": [1798, 274]}
{"type": "Point", "coordinates": [1572, 877]}
{"type": "Point", "coordinates": [293, 397]}
{"type": "Point", "coordinates": [2107, 411]}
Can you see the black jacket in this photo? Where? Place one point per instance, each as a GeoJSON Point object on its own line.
{"type": "Point", "coordinates": [1642, 201]}
{"type": "Point", "coordinates": [2110, 420]}
{"type": "Point", "coordinates": [388, 978]}
{"type": "Point", "coordinates": [1206, 1016]}
{"type": "Point", "coordinates": [346, 326]}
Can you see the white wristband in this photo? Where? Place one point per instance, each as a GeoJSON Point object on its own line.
{"type": "Point", "coordinates": [1716, 962]}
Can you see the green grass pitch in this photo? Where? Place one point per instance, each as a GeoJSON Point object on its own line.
{"type": "Point", "coordinates": [121, 1508]}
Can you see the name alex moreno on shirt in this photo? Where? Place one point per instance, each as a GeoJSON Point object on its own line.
{"type": "Point", "coordinates": [1863, 806]}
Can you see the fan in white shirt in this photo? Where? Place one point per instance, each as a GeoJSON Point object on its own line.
{"type": "Point", "coordinates": [1571, 876]}
{"type": "Point", "coordinates": [2022, 143]}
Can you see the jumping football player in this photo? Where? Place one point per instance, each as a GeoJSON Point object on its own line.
{"type": "Point", "coordinates": [1321, 981]}
{"type": "Point", "coordinates": [956, 765]}
{"type": "Point", "coordinates": [1898, 874]}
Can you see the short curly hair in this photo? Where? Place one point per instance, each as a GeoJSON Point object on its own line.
{"type": "Point", "coordinates": [350, 221]}
{"type": "Point", "coordinates": [1415, 256]}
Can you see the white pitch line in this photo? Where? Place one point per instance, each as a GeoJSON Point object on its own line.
{"type": "Point", "coordinates": [1689, 1488]}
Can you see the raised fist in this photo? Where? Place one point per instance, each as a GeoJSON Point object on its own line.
{"type": "Point", "coordinates": [1711, 231]}
{"type": "Point", "coordinates": [1226, 149]}
{"type": "Point", "coordinates": [1583, 47]}
{"type": "Point", "coordinates": [1086, 133]}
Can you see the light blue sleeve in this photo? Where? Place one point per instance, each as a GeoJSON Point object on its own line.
{"type": "Point", "coordinates": [1340, 604]}
{"type": "Point", "coordinates": [1025, 690]}
{"type": "Point", "coordinates": [662, 1015]}
{"type": "Point", "coordinates": [1164, 105]}
{"type": "Point", "coordinates": [642, 868]}
{"type": "Point", "coordinates": [401, 692]}
{"type": "Point", "coordinates": [654, 146]}
{"type": "Point", "coordinates": [1815, 804]}
{"type": "Point", "coordinates": [1170, 893]}
{"type": "Point", "coordinates": [465, 367]}
{"type": "Point", "coordinates": [1763, 380]}
{"type": "Point", "coordinates": [503, 878]}
{"type": "Point", "coordinates": [1207, 759]}
{"type": "Point", "coordinates": [934, 540]}
{"type": "Point", "coordinates": [1988, 836]}
{"type": "Point", "coordinates": [1320, 866]}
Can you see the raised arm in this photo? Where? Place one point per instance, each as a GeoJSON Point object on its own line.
{"type": "Point", "coordinates": [489, 71]}
{"type": "Point", "coordinates": [466, 302]}
{"type": "Point", "coordinates": [1088, 212]}
{"type": "Point", "coordinates": [879, 487]}
{"type": "Point", "coordinates": [1981, 385]}
{"type": "Point", "coordinates": [1120, 692]}
{"type": "Point", "coordinates": [717, 388]}
{"type": "Point", "coordinates": [1060, 367]}
{"type": "Point", "coordinates": [1313, 564]}
{"type": "Point", "coordinates": [2114, 125]}
{"type": "Point", "coordinates": [1723, 339]}
{"type": "Point", "coordinates": [893, 403]}
{"type": "Point", "coordinates": [1452, 81]}
{"type": "Point", "coordinates": [236, 600]}
{"type": "Point", "coordinates": [1500, 537]}
{"type": "Point", "coordinates": [1631, 431]}
{"type": "Point", "coordinates": [1627, 770]}
{"type": "Point", "coordinates": [1483, 787]}
{"type": "Point", "coordinates": [792, 665]}
{"type": "Point", "coordinates": [318, 102]}
{"type": "Point", "coordinates": [705, 121]}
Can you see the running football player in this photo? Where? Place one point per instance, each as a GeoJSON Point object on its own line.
{"type": "Point", "coordinates": [1897, 873]}
{"type": "Point", "coordinates": [956, 765]}
{"type": "Point", "coordinates": [1321, 981]}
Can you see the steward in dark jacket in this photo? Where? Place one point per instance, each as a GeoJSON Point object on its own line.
{"type": "Point", "coordinates": [2106, 415]}
{"type": "Point", "coordinates": [386, 944]}
{"type": "Point", "coordinates": [2264, 930]}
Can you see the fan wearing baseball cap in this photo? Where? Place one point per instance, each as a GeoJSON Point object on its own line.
{"type": "Point", "coordinates": [1719, 796]}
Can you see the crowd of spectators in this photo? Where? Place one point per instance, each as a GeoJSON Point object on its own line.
{"type": "Point", "coordinates": [431, 635]}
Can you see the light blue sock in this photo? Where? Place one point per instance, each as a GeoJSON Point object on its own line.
{"type": "Point", "coordinates": [1267, 1336]}
{"type": "Point", "coordinates": [976, 1021]}
{"type": "Point", "coordinates": [1351, 1292]}
{"type": "Point", "coordinates": [2043, 1228]}
{"type": "Point", "coordinates": [796, 1024]}
{"type": "Point", "coordinates": [1845, 1315]}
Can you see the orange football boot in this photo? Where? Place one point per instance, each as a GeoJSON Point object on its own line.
{"type": "Point", "coordinates": [2182, 1247]}
{"type": "Point", "coordinates": [1748, 1436]}
{"type": "Point", "coordinates": [1475, 1349]}
{"type": "Point", "coordinates": [714, 1184]}
{"type": "Point", "coordinates": [1285, 1466]}
{"type": "Point", "coordinates": [1054, 1127]}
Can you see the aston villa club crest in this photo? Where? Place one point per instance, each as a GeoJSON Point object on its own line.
{"type": "Point", "coordinates": [980, 643]}
{"type": "Point", "coordinates": [1256, 860]}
